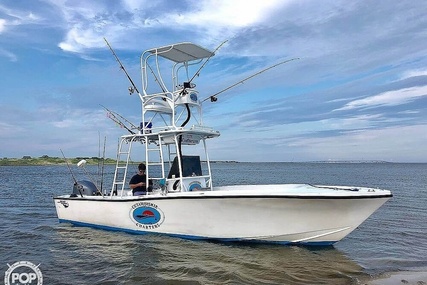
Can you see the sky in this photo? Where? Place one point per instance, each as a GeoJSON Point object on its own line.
{"type": "Point", "coordinates": [358, 91]}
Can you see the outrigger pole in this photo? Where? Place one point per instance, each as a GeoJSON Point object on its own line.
{"type": "Point", "coordinates": [131, 89]}
{"type": "Point", "coordinates": [213, 97]}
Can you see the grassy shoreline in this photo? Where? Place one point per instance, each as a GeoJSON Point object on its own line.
{"type": "Point", "coordinates": [46, 160]}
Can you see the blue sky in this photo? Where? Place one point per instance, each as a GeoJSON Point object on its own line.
{"type": "Point", "coordinates": [359, 91]}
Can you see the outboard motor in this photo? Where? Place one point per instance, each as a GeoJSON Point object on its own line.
{"type": "Point", "coordinates": [86, 188]}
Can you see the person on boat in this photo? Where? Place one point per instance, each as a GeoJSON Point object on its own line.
{"type": "Point", "coordinates": [138, 182]}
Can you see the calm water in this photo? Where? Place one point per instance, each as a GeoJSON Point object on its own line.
{"type": "Point", "coordinates": [393, 239]}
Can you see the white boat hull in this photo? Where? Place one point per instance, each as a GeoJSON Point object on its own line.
{"type": "Point", "coordinates": [188, 204]}
{"type": "Point", "coordinates": [286, 214]}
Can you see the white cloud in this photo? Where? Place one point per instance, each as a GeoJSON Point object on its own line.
{"type": "Point", "coordinates": [7, 130]}
{"type": "Point", "coordinates": [78, 39]}
{"type": "Point", "coordinates": [352, 123]}
{"type": "Point", "coordinates": [395, 144]}
{"type": "Point", "coordinates": [17, 17]}
{"type": "Point", "coordinates": [389, 98]}
{"type": "Point", "coordinates": [414, 73]}
{"type": "Point", "coordinates": [85, 24]}
{"type": "Point", "coordinates": [374, 144]}
{"type": "Point", "coordinates": [2, 25]}
{"type": "Point", "coordinates": [137, 4]}
{"type": "Point", "coordinates": [12, 57]}
{"type": "Point", "coordinates": [88, 22]}
{"type": "Point", "coordinates": [237, 13]}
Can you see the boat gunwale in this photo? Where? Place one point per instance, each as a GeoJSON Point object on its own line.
{"type": "Point", "coordinates": [240, 196]}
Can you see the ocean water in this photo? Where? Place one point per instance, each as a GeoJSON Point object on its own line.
{"type": "Point", "coordinates": [393, 239]}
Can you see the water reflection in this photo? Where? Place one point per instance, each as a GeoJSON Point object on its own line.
{"type": "Point", "coordinates": [253, 264]}
{"type": "Point", "coordinates": [117, 258]}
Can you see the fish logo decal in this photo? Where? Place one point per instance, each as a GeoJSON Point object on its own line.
{"type": "Point", "coordinates": [146, 215]}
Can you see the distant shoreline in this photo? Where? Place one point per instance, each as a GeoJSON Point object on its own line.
{"type": "Point", "coordinates": [46, 160]}
{"type": "Point", "coordinates": [351, 161]}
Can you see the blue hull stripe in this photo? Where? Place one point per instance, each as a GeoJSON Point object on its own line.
{"type": "Point", "coordinates": [321, 243]}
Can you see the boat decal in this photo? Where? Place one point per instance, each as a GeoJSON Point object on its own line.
{"type": "Point", "coordinates": [63, 203]}
{"type": "Point", "coordinates": [195, 185]}
{"type": "Point", "coordinates": [193, 97]}
{"type": "Point", "coordinates": [146, 215]}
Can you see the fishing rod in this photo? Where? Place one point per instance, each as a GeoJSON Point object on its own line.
{"type": "Point", "coordinates": [99, 156]}
{"type": "Point", "coordinates": [188, 84]}
{"type": "Point", "coordinates": [113, 116]}
{"type": "Point", "coordinates": [157, 80]}
{"type": "Point", "coordinates": [133, 88]}
{"type": "Point", "coordinates": [102, 168]}
{"type": "Point", "coordinates": [72, 174]}
{"type": "Point", "coordinates": [213, 97]}
{"type": "Point", "coordinates": [121, 117]}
